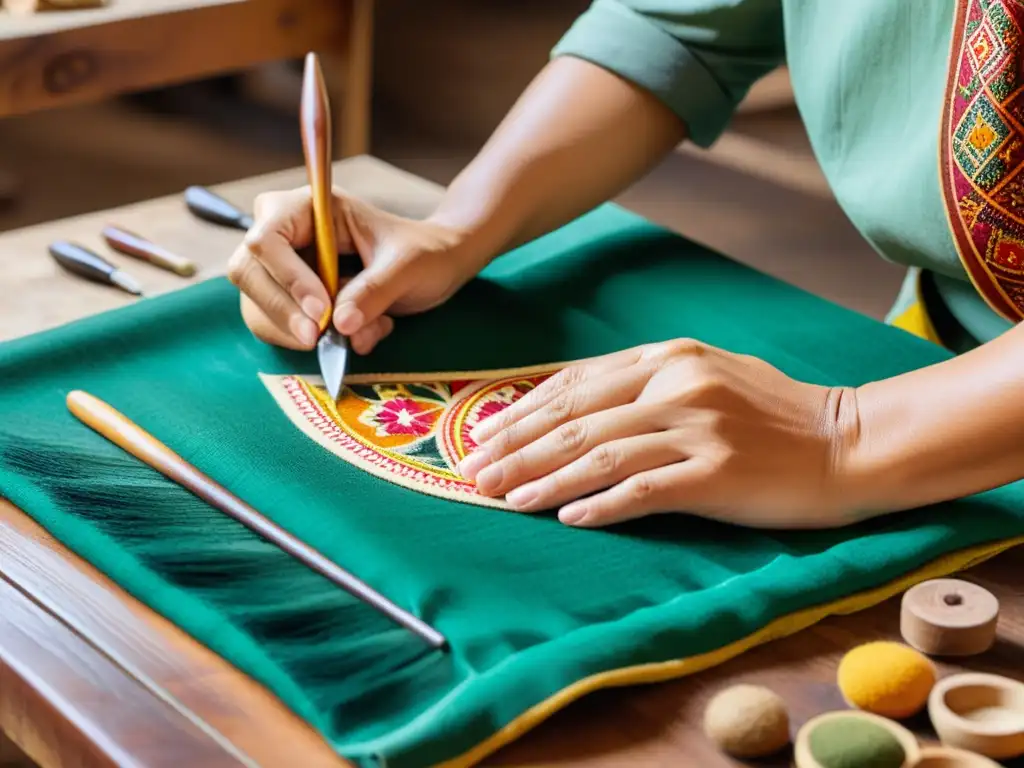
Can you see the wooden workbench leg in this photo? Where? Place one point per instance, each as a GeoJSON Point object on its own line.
{"type": "Point", "coordinates": [352, 105]}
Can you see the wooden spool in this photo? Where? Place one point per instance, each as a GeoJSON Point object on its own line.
{"type": "Point", "coordinates": [802, 746]}
{"type": "Point", "coordinates": [947, 757]}
{"type": "Point", "coordinates": [949, 617]}
{"type": "Point", "coordinates": [979, 713]}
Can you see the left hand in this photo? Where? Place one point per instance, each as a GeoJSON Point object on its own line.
{"type": "Point", "coordinates": [676, 426]}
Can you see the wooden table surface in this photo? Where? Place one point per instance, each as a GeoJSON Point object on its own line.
{"type": "Point", "coordinates": [88, 676]}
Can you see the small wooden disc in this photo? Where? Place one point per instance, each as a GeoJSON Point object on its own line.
{"type": "Point", "coordinates": [949, 617]}
{"type": "Point", "coordinates": [947, 757]}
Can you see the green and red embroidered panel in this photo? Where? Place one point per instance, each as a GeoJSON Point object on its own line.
{"type": "Point", "coordinates": [409, 429]}
{"type": "Point", "coordinates": [982, 149]}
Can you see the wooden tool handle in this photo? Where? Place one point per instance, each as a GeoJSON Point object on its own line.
{"type": "Point", "coordinates": [130, 244]}
{"type": "Point", "coordinates": [117, 428]}
{"type": "Point", "coordinates": [316, 146]}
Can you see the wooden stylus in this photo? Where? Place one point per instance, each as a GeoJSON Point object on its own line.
{"type": "Point", "coordinates": [117, 428]}
{"type": "Point", "coordinates": [315, 124]}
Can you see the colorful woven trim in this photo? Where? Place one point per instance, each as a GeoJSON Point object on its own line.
{"type": "Point", "coordinates": [981, 149]}
{"type": "Point", "coordinates": [409, 429]}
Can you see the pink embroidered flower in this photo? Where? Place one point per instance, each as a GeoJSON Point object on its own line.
{"type": "Point", "coordinates": [402, 416]}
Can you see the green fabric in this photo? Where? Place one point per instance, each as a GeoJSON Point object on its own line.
{"type": "Point", "coordinates": [869, 79]}
{"type": "Point", "coordinates": [529, 605]}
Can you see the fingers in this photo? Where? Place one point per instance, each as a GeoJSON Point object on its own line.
{"type": "Point", "coordinates": [558, 422]}
{"type": "Point", "coordinates": [369, 336]}
{"type": "Point", "coordinates": [265, 330]}
{"type": "Point", "coordinates": [562, 446]}
{"type": "Point", "coordinates": [270, 273]}
{"type": "Point", "coordinates": [276, 307]}
{"type": "Point", "coordinates": [564, 380]}
{"type": "Point", "coordinates": [671, 488]}
{"type": "Point", "coordinates": [279, 258]}
{"type": "Point", "coordinates": [599, 468]}
{"type": "Point", "coordinates": [369, 295]}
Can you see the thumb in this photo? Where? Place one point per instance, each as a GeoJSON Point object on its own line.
{"type": "Point", "coordinates": [368, 295]}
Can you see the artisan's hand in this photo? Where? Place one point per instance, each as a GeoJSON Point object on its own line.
{"type": "Point", "coordinates": [409, 266]}
{"type": "Point", "coordinates": [672, 427]}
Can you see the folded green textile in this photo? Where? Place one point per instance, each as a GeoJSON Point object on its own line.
{"type": "Point", "coordinates": [530, 606]}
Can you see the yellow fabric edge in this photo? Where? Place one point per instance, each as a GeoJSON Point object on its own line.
{"type": "Point", "coordinates": [915, 320]}
{"type": "Point", "coordinates": [677, 668]}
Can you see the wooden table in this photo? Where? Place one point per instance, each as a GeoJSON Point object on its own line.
{"type": "Point", "coordinates": [61, 58]}
{"type": "Point", "coordinates": [88, 676]}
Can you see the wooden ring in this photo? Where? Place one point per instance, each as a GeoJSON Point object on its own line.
{"type": "Point", "coordinates": [948, 757]}
{"type": "Point", "coordinates": [949, 617]}
{"type": "Point", "coordinates": [802, 746]}
{"type": "Point", "coordinates": [979, 713]}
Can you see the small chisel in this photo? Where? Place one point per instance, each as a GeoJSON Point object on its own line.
{"type": "Point", "coordinates": [92, 266]}
{"type": "Point", "coordinates": [130, 244]}
{"type": "Point", "coordinates": [213, 208]}
{"type": "Point", "coordinates": [315, 123]}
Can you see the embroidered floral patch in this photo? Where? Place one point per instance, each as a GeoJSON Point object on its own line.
{"type": "Point", "coordinates": [412, 430]}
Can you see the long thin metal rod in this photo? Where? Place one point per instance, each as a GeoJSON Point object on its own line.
{"type": "Point", "coordinates": [124, 433]}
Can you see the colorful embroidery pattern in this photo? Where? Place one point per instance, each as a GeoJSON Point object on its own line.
{"type": "Point", "coordinates": [982, 149]}
{"type": "Point", "coordinates": [410, 430]}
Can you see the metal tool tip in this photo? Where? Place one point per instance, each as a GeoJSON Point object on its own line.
{"type": "Point", "coordinates": [332, 353]}
{"type": "Point", "coordinates": [126, 282]}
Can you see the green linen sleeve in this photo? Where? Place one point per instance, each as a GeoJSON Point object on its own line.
{"type": "Point", "coordinates": [700, 57]}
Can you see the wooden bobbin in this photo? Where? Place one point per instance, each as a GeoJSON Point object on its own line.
{"type": "Point", "coordinates": [979, 713]}
{"type": "Point", "coordinates": [947, 757]}
{"type": "Point", "coordinates": [949, 617]}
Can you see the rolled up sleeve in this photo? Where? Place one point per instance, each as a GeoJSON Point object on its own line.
{"type": "Point", "coordinates": [699, 57]}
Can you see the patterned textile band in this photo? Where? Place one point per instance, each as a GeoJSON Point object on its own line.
{"type": "Point", "coordinates": [982, 149]}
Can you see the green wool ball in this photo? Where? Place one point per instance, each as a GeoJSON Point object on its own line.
{"type": "Point", "coordinates": [850, 742]}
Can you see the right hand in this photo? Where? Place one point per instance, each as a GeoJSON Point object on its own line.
{"type": "Point", "coordinates": [409, 266]}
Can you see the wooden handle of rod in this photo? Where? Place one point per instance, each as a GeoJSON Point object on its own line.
{"type": "Point", "coordinates": [118, 429]}
{"type": "Point", "coordinates": [315, 120]}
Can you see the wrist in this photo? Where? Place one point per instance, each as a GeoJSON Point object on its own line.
{"type": "Point", "coordinates": [919, 444]}
{"type": "Point", "coordinates": [873, 460]}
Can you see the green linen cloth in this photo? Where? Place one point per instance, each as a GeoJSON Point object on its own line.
{"type": "Point", "coordinates": [530, 606]}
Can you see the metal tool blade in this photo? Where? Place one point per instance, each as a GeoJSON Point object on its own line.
{"type": "Point", "coordinates": [332, 352]}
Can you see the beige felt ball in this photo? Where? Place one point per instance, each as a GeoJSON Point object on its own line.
{"type": "Point", "coordinates": [747, 721]}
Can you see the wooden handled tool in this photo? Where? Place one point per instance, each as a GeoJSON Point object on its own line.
{"type": "Point", "coordinates": [315, 120]}
{"type": "Point", "coordinates": [117, 428]}
{"type": "Point", "coordinates": [83, 262]}
{"type": "Point", "coordinates": [205, 205]}
{"type": "Point", "coordinates": [130, 244]}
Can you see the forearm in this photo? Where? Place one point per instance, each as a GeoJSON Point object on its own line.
{"type": "Point", "coordinates": [943, 432]}
{"type": "Point", "coordinates": [577, 137]}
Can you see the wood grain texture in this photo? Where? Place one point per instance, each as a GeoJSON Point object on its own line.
{"type": "Point", "coordinates": [180, 675]}
{"type": "Point", "coordinates": [643, 726]}
{"type": "Point", "coordinates": [49, 681]}
{"type": "Point", "coordinates": [52, 60]}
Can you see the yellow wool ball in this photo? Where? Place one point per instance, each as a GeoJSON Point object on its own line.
{"type": "Point", "coordinates": [888, 679]}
